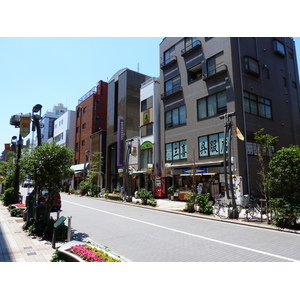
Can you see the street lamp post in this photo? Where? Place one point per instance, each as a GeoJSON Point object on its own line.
{"type": "Point", "coordinates": [233, 212]}
{"type": "Point", "coordinates": [15, 121]}
{"type": "Point", "coordinates": [126, 169]}
{"type": "Point", "coordinates": [36, 121]}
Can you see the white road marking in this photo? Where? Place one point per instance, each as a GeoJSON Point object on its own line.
{"type": "Point", "coordinates": [187, 233]}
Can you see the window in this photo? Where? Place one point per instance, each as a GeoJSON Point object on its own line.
{"type": "Point", "coordinates": [176, 151]}
{"type": "Point", "coordinates": [146, 158]}
{"type": "Point", "coordinates": [77, 129]}
{"type": "Point", "coordinates": [77, 147]}
{"type": "Point", "coordinates": [214, 63]}
{"type": "Point", "coordinates": [169, 55]}
{"type": "Point", "coordinates": [190, 42]}
{"type": "Point", "coordinates": [82, 142]}
{"type": "Point", "coordinates": [254, 149]}
{"type": "Point", "coordinates": [83, 125]}
{"type": "Point", "coordinates": [194, 73]}
{"type": "Point", "coordinates": [257, 105]}
{"type": "Point", "coordinates": [78, 113]}
{"type": "Point", "coordinates": [252, 65]}
{"type": "Point", "coordinates": [212, 105]}
{"type": "Point", "coordinates": [211, 145]}
{"type": "Point", "coordinates": [147, 130]}
{"type": "Point", "coordinates": [173, 85]}
{"type": "Point", "coordinates": [279, 48]}
{"type": "Point", "coordinates": [147, 103]}
{"type": "Point", "coordinates": [84, 109]}
{"type": "Point", "coordinates": [175, 117]}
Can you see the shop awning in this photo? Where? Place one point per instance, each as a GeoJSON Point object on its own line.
{"type": "Point", "coordinates": [79, 167]}
{"type": "Point", "coordinates": [206, 163]}
{"type": "Point", "coordinates": [198, 174]}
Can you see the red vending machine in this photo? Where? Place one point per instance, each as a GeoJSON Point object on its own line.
{"type": "Point", "coordinates": [160, 187]}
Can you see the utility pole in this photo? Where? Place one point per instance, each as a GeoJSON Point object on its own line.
{"type": "Point", "coordinates": [233, 212]}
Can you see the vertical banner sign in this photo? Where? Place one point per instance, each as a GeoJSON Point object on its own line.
{"type": "Point", "coordinates": [24, 126]}
{"type": "Point", "coordinates": [120, 141]}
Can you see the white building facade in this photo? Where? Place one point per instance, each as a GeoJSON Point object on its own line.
{"type": "Point", "coordinates": [64, 129]}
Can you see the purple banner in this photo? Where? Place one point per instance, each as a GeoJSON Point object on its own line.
{"type": "Point", "coordinates": [120, 142]}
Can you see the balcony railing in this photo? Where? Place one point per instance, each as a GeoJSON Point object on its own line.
{"type": "Point", "coordinates": [88, 94]}
{"type": "Point", "coordinates": [171, 92]}
{"type": "Point", "coordinates": [221, 70]}
{"type": "Point", "coordinates": [195, 45]}
{"type": "Point", "coordinates": [169, 61]}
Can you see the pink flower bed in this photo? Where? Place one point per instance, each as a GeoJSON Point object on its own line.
{"type": "Point", "coordinates": [86, 254]}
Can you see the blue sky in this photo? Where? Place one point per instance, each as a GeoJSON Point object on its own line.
{"type": "Point", "coordinates": [50, 70]}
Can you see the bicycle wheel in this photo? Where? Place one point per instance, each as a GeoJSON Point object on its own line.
{"type": "Point", "coordinates": [251, 211]}
{"type": "Point", "coordinates": [217, 208]}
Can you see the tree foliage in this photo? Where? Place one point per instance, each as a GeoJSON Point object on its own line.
{"type": "Point", "coordinates": [284, 181]}
{"type": "Point", "coordinates": [89, 184]}
{"type": "Point", "coordinates": [47, 165]}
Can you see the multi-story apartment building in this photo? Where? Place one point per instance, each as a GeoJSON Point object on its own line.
{"type": "Point", "coordinates": [205, 78]}
{"type": "Point", "coordinates": [123, 122]}
{"type": "Point", "coordinates": [64, 129]}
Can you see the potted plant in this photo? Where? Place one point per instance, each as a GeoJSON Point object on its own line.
{"type": "Point", "coordinates": [171, 191]}
{"type": "Point", "coordinates": [202, 201]}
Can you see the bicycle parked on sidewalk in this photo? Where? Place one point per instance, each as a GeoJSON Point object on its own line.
{"type": "Point", "coordinates": [219, 206]}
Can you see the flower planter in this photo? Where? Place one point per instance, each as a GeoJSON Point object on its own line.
{"type": "Point", "coordinates": [68, 256]}
{"type": "Point", "coordinates": [113, 196]}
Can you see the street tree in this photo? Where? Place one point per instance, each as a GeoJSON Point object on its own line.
{"type": "Point", "coordinates": [284, 181]}
{"type": "Point", "coordinates": [265, 142]}
{"type": "Point", "coordinates": [90, 183]}
{"type": "Point", "coordinates": [48, 165]}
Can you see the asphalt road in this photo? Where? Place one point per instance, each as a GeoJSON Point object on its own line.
{"type": "Point", "coordinates": [145, 235]}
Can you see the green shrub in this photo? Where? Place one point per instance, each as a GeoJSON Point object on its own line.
{"type": "Point", "coordinates": [8, 197]}
{"type": "Point", "coordinates": [189, 207]}
{"type": "Point", "coordinates": [144, 195]}
{"type": "Point", "coordinates": [44, 230]}
{"type": "Point", "coordinates": [286, 212]}
{"type": "Point", "coordinates": [17, 212]}
{"type": "Point", "coordinates": [205, 206]}
{"type": "Point", "coordinates": [152, 202]}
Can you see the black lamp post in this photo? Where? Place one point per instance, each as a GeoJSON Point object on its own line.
{"type": "Point", "coordinates": [36, 121]}
{"type": "Point", "coordinates": [15, 121]}
{"type": "Point", "coordinates": [233, 212]}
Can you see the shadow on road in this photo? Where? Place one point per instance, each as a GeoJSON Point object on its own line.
{"type": "Point", "coordinates": [78, 236]}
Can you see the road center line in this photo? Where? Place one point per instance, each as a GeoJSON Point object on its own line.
{"type": "Point", "coordinates": [187, 233]}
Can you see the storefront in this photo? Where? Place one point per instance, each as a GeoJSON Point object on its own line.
{"type": "Point", "coordinates": [196, 179]}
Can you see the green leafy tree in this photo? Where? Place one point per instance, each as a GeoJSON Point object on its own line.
{"type": "Point", "coordinates": [90, 183]}
{"type": "Point", "coordinates": [47, 165]}
{"type": "Point", "coordinates": [265, 141]}
{"type": "Point", "coordinates": [284, 181]}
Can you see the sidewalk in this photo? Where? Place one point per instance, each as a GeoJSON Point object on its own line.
{"type": "Point", "coordinates": [16, 245]}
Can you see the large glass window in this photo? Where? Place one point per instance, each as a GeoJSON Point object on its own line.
{"type": "Point", "coordinates": [173, 85]}
{"type": "Point", "coordinates": [212, 105]}
{"type": "Point", "coordinates": [175, 117]}
{"type": "Point", "coordinates": [169, 55]}
{"type": "Point", "coordinates": [190, 42]}
{"type": "Point", "coordinates": [213, 63]}
{"type": "Point", "coordinates": [211, 145]}
{"type": "Point", "coordinates": [176, 151]}
{"type": "Point", "coordinates": [257, 105]}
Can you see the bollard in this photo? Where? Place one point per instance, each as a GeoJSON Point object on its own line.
{"type": "Point", "coordinates": [69, 228]}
